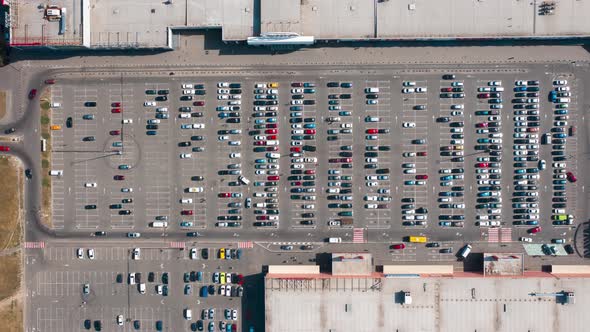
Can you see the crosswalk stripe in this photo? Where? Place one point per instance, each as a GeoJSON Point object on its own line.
{"type": "Point", "coordinates": [358, 235]}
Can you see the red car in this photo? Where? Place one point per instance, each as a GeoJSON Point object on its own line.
{"type": "Point", "coordinates": [372, 131]}
{"type": "Point", "coordinates": [310, 171]}
{"type": "Point", "coordinates": [4, 148]}
{"type": "Point", "coordinates": [186, 212]}
{"type": "Point", "coordinates": [446, 90]}
{"type": "Point", "coordinates": [421, 177]}
{"type": "Point", "coordinates": [199, 103]}
{"type": "Point", "coordinates": [295, 183]}
{"type": "Point", "coordinates": [270, 131]}
{"type": "Point", "coordinates": [273, 178]}
{"type": "Point", "coordinates": [261, 217]}
{"type": "Point", "coordinates": [535, 230]}
{"type": "Point", "coordinates": [295, 149]}
{"type": "Point", "coordinates": [32, 93]}
{"type": "Point", "coordinates": [117, 104]}
{"type": "Point", "coordinates": [222, 195]}
{"type": "Point", "coordinates": [481, 125]}
{"type": "Point", "coordinates": [271, 137]}
{"type": "Point", "coordinates": [482, 165]}
{"type": "Point", "coordinates": [260, 143]}
{"type": "Point", "coordinates": [116, 110]}
{"type": "Point", "coordinates": [272, 148]}
{"type": "Point", "coordinates": [271, 125]}
{"type": "Point", "coordinates": [397, 246]}
{"type": "Point", "coordinates": [422, 154]}
{"type": "Point", "coordinates": [115, 132]}
{"type": "Point", "coordinates": [240, 279]}
{"type": "Point", "coordinates": [571, 177]}
{"type": "Point", "coordinates": [345, 160]}
{"type": "Point", "coordinates": [297, 84]}
{"type": "Point", "coordinates": [532, 130]}
{"type": "Point", "coordinates": [309, 131]}
{"type": "Point", "coordinates": [483, 95]}
{"type": "Point", "coordinates": [50, 81]}
{"type": "Point", "coordinates": [119, 177]}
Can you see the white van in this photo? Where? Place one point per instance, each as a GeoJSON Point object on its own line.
{"type": "Point", "coordinates": [127, 121]}
{"type": "Point", "coordinates": [465, 251]}
{"type": "Point", "coordinates": [186, 200]}
{"type": "Point", "coordinates": [159, 224]}
{"type": "Point", "coordinates": [371, 90]}
{"type": "Point", "coordinates": [56, 172]}
{"type": "Point", "coordinates": [244, 180]}
{"type": "Point", "coordinates": [272, 142]}
{"type": "Point", "coordinates": [188, 314]}
{"type": "Point", "coordinates": [334, 240]}
{"type": "Point", "coordinates": [142, 288]}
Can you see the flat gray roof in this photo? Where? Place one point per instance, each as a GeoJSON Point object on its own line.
{"type": "Point", "coordinates": [372, 304]}
{"type": "Point", "coordinates": [145, 23]}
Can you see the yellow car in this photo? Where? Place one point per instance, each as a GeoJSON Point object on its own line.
{"type": "Point", "coordinates": [222, 253]}
{"type": "Point", "coordinates": [273, 85]}
{"type": "Point", "coordinates": [56, 127]}
{"type": "Point", "coordinates": [222, 277]}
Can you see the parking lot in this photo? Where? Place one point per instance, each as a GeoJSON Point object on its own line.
{"type": "Point", "coordinates": [148, 287]}
{"type": "Point", "coordinates": [244, 156]}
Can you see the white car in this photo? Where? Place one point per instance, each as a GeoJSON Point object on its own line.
{"type": "Point", "coordinates": [234, 143]}
{"type": "Point", "coordinates": [193, 253]}
{"type": "Point", "coordinates": [297, 102]}
{"type": "Point", "coordinates": [149, 103]}
{"type": "Point", "coordinates": [235, 155]}
{"type": "Point", "coordinates": [559, 82]}
{"type": "Point", "coordinates": [185, 155]}
{"type": "Point", "coordinates": [222, 97]}
{"type": "Point", "coordinates": [409, 83]}
{"type": "Point", "coordinates": [525, 239]}
{"type": "Point", "coordinates": [494, 83]}
{"type": "Point", "coordinates": [136, 253]}
{"type": "Point", "coordinates": [296, 90]}
{"type": "Point", "coordinates": [408, 90]}
{"type": "Point", "coordinates": [372, 184]}
{"type": "Point", "coordinates": [371, 206]}
{"type": "Point", "coordinates": [159, 289]}
{"type": "Point", "coordinates": [153, 121]}
{"type": "Point", "coordinates": [223, 138]}
{"type": "Point", "coordinates": [91, 253]}
{"type": "Point", "coordinates": [90, 185]}
{"type": "Point", "coordinates": [346, 125]}
{"type": "Point", "coordinates": [120, 320]}
{"type": "Point", "coordinates": [222, 91]}
{"type": "Point", "coordinates": [457, 107]}
{"type": "Point", "coordinates": [198, 126]}
{"type": "Point", "coordinates": [421, 89]}
{"type": "Point", "coordinates": [188, 92]}
{"type": "Point", "coordinates": [562, 88]}
{"type": "Point", "coordinates": [80, 253]}
{"type": "Point", "coordinates": [184, 115]}
{"type": "Point", "coordinates": [223, 85]}
{"type": "Point", "coordinates": [127, 121]}
{"type": "Point", "coordinates": [409, 125]}
{"type": "Point", "coordinates": [126, 190]}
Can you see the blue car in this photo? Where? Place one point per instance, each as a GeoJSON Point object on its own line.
{"type": "Point", "coordinates": [151, 132]}
{"type": "Point", "coordinates": [520, 88]}
{"type": "Point", "coordinates": [204, 292]}
{"type": "Point", "coordinates": [484, 194]}
{"type": "Point", "coordinates": [309, 125]}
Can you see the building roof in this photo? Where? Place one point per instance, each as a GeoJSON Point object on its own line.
{"type": "Point", "coordinates": [503, 264]}
{"type": "Point", "coordinates": [350, 264]}
{"type": "Point", "coordinates": [438, 304]}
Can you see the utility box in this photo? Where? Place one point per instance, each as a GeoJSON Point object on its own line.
{"type": "Point", "coordinates": [407, 298]}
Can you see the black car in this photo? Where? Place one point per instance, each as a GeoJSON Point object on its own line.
{"type": "Point", "coordinates": [90, 207]}
{"type": "Point", "coordinates": [125, 212]}
{"type": "Point", "coordinates": [164, 278]}
{"type": "Point", "coordinates": [449, 77]}
{"type": "Point", "coordinates": [69, 122]}
{"type": "Point", "coordinates": [205, 253]}
{"type": "Point", "coordinates": [97, 325]}
{"type": "Point", "coordinates": [433, 245]}
{"type": "Point", "coordinates": [151, 126]}
{"type": "Point", "coordinates": [151, 277]}
{"type": "Point", "coordinates": [446, 251]}
{"type": "Point", "coordinates": [163, 92]}
{"type": "Point", "coordinates": [29, 173]}
{"type": "Point", "coordinates": [89, 139]}
{"type": "Point", "coordinates": [100, 233]}
{"type": "Point", "coordinates": [408, 200]}
{"type": "Point", "coordinates": [136, 324]}
{"type": "Point", "coordinates": [159, 325]}
{"type": "Point", "coordinates": [161, 98]}
{"type": "Point", "coordinates": [10, 131]}
{"type": "Point", "coordinates": [309, 102]}
{"type": "Point", "coordinates": [187, 277]}
{"type": "Point", "coordinates": [333, 84]}
{"type": "Point", "coordinates": [197, 138]}
{"type": "Point", "coordinates": [569, 249]}
{"type": "Point", "coordinates": [90, 104]}
{"type": "Point", "coordinates": [87, 324]}
{"type": "Point", "coordinates": [192, 234]}
{"type": "Point", "coordinates": [186, 98]}
{"type": "Point", "coordinates": [184, 143]}
{"type": "Point", "coordinates": [233, 120]}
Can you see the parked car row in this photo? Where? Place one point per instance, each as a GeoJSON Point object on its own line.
{"type": "Point", "coordinates": [488, 166]}
{"type": "Point", "coordinates": [265, 198]}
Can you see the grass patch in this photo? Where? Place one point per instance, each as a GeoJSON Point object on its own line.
{"type": "Point", "coordinates": [46, 205]}
{"type": "Point", "coordinates": [10, 274]}
{"type": "Point", "coordinates": [2, 103]}
{"type": "Point", "coordinates": [11, 317]}
{"type": "Point", "coordinates": [10, 196]}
